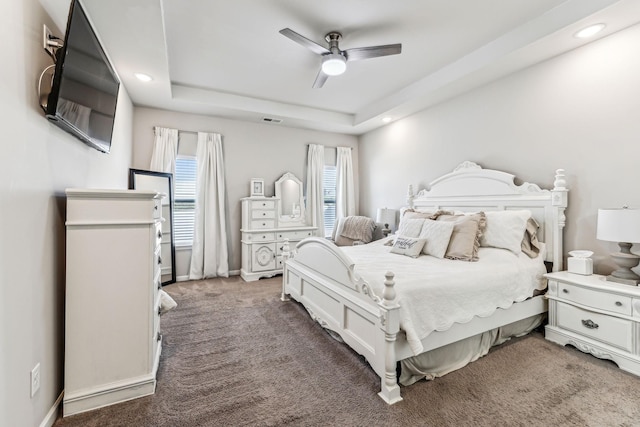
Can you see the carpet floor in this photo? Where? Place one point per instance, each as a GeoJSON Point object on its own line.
{"type": "Point", "coordinates": [235, 355]}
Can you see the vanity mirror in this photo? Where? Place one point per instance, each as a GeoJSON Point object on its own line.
{"type": "Point", "coordinates": [290, 200]}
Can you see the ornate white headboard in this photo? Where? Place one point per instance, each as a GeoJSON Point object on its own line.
{"type": "Point", "coordinates": [470, 188]}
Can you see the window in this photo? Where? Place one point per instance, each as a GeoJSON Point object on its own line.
{"type": "Point", "coordinates": [329, 184]}
{"type": "Point", "coordinates": [184, 204]}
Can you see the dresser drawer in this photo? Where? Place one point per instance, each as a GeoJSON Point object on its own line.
{"type": "Point", "coordinates": [157, 208]}
{"type": "Point", "coordinates": [158, 234]}
{"type": "Point", "coordinates": [594, 298]}
{"type": "Point", "coordinates": [263, 204]}
{"type": "Point", "coordinates": [263, 224]}
{"type": "Point", "coordinates": [294, 235]}
{"type": "Point", "coordinates": [611, 330]}
{"type": "Point", "coordinates": [261, 213]}
{"type": "Point", "coordinates": [258, 237]}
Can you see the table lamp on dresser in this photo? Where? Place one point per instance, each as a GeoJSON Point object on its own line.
{"type": "Point", "coordinates": [623, 226]}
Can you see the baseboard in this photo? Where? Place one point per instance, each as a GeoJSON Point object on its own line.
{"type": "Point", "coordinates": [186, 278]}
{"type": "Point", "coordinates": [52, 415]}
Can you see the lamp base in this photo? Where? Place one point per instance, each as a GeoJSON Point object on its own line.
{"type": "Point", "coordinates": [626, 261]}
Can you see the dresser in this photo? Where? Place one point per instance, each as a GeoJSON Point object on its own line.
{"type": "Point", "coordinates": [112, 320]}
{"type": "Point", "coordinates": [595, 316]}
{"type": "Point", "coordinates": [263, 237]}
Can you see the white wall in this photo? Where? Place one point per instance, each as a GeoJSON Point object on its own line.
{"type": "Point", "coordinates": [579, 111]}
{"type": "Point", "coordinates": [37, 162]}
{"type": "Point", "coordinates": [251, 150]}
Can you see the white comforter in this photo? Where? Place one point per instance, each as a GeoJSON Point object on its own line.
{"type": "Point", "coordinates": [436, 293]}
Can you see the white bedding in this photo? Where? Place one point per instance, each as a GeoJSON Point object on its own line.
{"type": "Point", "coordinates": [436, 293]}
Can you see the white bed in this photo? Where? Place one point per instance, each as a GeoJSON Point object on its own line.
{"type": "Point", "coordinates": [352, 291]}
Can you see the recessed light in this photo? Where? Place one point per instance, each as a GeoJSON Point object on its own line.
{"type": "Point", "coordinates": [589, 31]}
{"type": "Point", "coordinates": [386, 119]}
{"type": "Point", "coordinates": [143, 77]}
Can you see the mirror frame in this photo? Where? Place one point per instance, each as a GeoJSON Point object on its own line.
{"type": "Point", "coordinates": [284, 220]}
{"type": "Point", "coordinates": [169, 177]}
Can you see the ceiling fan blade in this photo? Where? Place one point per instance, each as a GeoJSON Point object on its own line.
{"type": "Point", "coordinates": [320, 79]}
{"type": "Point", "coordinates": [359, 53]}
{"type": "Point", "coordinates": [311, 45]}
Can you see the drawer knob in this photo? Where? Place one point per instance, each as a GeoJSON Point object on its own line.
{"type": "Point", "coordinates": [159, 260]}
{"type": "Point", "coordinates": [590, 324]}
{"type": "Point", "coordinates": [159, 336]}
{"type": "Point", "coordinates": [618, 303]}
{"type": "Point", "coordinates": [155, 208]}
{"type": "Point", "coordinates": [565, 290]}
{"type": "Point", "coordinates": [159, 234]}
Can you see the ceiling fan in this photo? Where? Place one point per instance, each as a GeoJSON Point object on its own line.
{"type": "Point", "coordinates": [334, 60]}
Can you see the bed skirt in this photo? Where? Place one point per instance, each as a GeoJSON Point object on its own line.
{"type": "Point", "coordinates": [441, 361]}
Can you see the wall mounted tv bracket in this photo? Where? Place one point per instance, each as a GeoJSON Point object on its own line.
{"type": "Point", "coordinates": [51, 44]}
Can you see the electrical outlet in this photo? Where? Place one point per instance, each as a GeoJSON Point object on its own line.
{"type": "Point", "coordinates": [46, 37]}
{"type": "Point", "coordinates": [35, 379]}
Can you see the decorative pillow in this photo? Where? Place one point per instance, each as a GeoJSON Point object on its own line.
{"type": "Point", "coordinates": [410, 227]}
{"type": "Point", "coordinates": [413, 213]}
{"type": "Point", "coordinates": [465, 238]}
{"type": "Point", "coordinates": [530, 244]}
{"type": "Point", "coordinates": [505, 229]}
{"type": "Point", "coordinates": [437, 234]}
{"type": "Point", "coordinates": [408, 246]}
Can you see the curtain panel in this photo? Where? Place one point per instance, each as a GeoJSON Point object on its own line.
{"type": "Point", "coordinates": [210, 256]}
{"type": "Point", "coordinates": [345, 189]}
{"type": "Point", "coordinates": [165, 150]}
{"type": "Point", "coordinates": [315, 190]}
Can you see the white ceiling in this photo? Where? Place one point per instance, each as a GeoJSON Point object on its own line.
{"type": "Point", "coordinates": [226, 58]}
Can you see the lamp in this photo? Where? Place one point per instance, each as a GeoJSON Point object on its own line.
{"type": "Point", "coordinates": [622, 226]}
{"type": "Point", "coordinates": [387, 217]}
{"type": "Point", "coordinates": [334, 64]}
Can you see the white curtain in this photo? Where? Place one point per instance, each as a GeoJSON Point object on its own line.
{"type": "Point", "coordinates": [209, 256]}
{"type": "Point", "coordinates": [345, 190]}
{"type": "Point", "coordinates": [165, 150]}
{"type": "Point", "coordinates": [315, 188]}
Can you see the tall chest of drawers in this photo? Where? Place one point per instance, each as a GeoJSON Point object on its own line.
{"type": "Point", "coordinates": [595, 316]}
{"type": "Point", "coordinates": [112, 320]}
{"type": "Point", "coordinates": [263, 238]}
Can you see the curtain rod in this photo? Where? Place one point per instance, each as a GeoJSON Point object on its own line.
{"type": "Point", "coordinates": [351, 148]}
{"type": "Point", "coordinates": [184, 131]}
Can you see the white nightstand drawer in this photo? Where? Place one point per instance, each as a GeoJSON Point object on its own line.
{"type": "Point", "coordinates": [594, 298]}
{"type": "Point", "coordinates": [611, 330]}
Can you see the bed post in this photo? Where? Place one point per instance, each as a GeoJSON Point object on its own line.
{"type": "Point", "coordinates": [286, 254]}
{"type": "Point", "coordinates": [410, 196]}
{"type": "Point", "coordinates": [390, 322]}
{"type": "Point", "coordinates": [559, 202]}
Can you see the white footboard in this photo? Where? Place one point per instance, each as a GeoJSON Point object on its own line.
{"type": "Point", "coordinates": [319, 276]}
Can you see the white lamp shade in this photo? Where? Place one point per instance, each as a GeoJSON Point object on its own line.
{"type": "Point", "coordinates": [619, 225]}
{"type": "Point", "coordinates": [387, 216]}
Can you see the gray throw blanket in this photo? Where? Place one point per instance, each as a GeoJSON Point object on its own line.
{"type": "Point", "coordinates": [358, 228]}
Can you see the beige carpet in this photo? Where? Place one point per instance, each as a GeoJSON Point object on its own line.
{"type": "Point", "coordinates": [235, 355]}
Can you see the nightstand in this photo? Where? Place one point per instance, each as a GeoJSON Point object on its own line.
{"type": "Point", "coordinates": [595, 316]}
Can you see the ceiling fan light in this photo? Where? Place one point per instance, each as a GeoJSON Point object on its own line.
{"type": "Point", "coordinates": [334, 64]}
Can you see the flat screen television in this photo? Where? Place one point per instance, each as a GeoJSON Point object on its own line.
{"type": "Point", "coordinates": [85, 85]}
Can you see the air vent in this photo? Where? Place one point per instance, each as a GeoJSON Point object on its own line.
{"type": "Point", "coordinates": [271, 120]}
